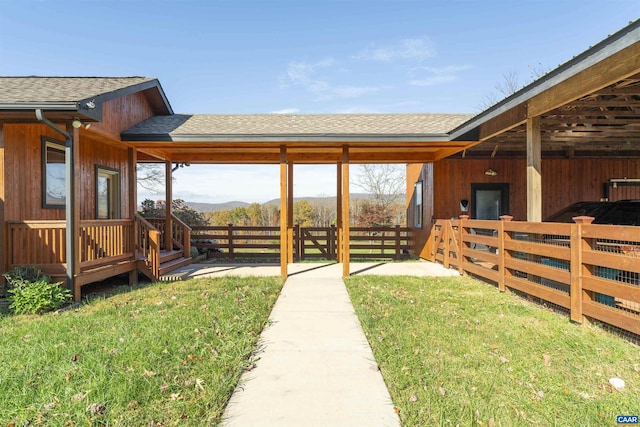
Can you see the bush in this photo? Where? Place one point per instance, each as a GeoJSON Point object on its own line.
{"type": "Point", "coordinates": [31, 291]}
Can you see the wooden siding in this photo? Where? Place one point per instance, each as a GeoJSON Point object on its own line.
{"type": "Point", "coordinates": [23, 169]}
{"type": "Point", "coordinates": [415, 173]}
{"type": "Point", "coordinates": [564, 181]}
{"type": "Point", "coordinates": [122, 113]}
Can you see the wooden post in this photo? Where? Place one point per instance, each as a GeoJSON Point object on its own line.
{"type": "Point", "coordinates": [463, 232]}
{"type": "Point", "coordinates": [501, 252]}
{"type": "Point", "coordinates": [230, 240]}
{"type": "Point", "coordinates": [331, 239]}
{"type": "Point", "coordinates": [3, 249]}
{"type": "Point", "coordinates": [290, 211]}
{"type": "Point", "coordinates": [168, 226]}
{"type": "Point", "coordinates": [445, 239]}
{"type": "Point", "coordinates": [284, 246]}
{"type": "Point", "coordinates": [345, 213]}
{"type": "Point", "coordinates": [534, 167]}
{"type": "Point", "coordinates": [398, 250]}
{"type": "Point", "coordinates": [339, 213]}
{"type": "Point", "coordinates": [299, 246]}
{"type": "Point", "coordinates": [577, 294]}
{"type": "Point", "coordinates": [132, 159]}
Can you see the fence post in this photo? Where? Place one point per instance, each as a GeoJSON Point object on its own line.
{"type": "Point", "coordinates": [445, 238]}
{"type": "Point", "coordinates": [577, 268]}
{"type": "Point", "coordinates": [297, 254]}
{"type": "Point", "coordinates": [398, 250]}
{"type": "Point", "coordinates": [462, 232]}
{"type": "Point", "coordinates": [230, 239]}
{"type": "Point", "coordinates": [332, 241]}
{"type": "Point", "coordinates": [502, 253]}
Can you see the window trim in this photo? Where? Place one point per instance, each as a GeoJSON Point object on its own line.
{"type": "Point", "coordinates": [48, 142]}
{"type": "Point", "coordinates": [418, 189]}
{"type": "Point", "coordinates": [114, 198]}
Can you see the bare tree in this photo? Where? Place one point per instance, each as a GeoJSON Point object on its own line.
{"type": "Point", "coordinates": [151, 177]}
{"type": "Point", "coordinates": [510, 84]}
{"type": "Point", "coordinates": [385, 182]}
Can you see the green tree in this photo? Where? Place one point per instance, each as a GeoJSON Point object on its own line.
{"type": "Point", "coordinates": [303, 213]}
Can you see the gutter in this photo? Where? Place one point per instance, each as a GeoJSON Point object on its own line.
{"type": "Point", "coordinates": [69, 199]}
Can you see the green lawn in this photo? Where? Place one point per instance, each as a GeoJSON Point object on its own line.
{"type": "Point", "coordinates": [164, 354]}
{"type": "Point", "coordinates": [454, 351]}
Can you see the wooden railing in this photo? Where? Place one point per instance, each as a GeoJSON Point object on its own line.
{"type": "Point", "coordinates": [104, 242]}
{"type": "Point", "coordinates": [148, 240]}
{"type": "Point", "coordinates": [591, 271]}
{"type": "Point", "coordinates": [40, 243]}
{"type": "Point", "coordinates": [180, 234]}
{"type": "Point", "coordinates": [233, 242]}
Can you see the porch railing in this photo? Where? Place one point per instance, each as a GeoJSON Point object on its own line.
{"type": "Point", "coordinates": [40, 243]}
{"type": "Point", "coordinates": [104, 242]}
{"type": "Point", "coordinates": [148, 239]}
{"type": "Point", "coordinates": [180, 232]}
{"type": "Point", "coordinates": [590, 271]}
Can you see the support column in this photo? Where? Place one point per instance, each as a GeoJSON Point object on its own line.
{"type": "Point", "coordinates": [290, 211]}
{"type": "Point", "coordinates": [72, 155]}
{"type": "Point", "coordinates": [339, 214]}
{"type": "Point", "coordinates": [345, 212]}
{"type": "Point", "coordinates": [168, 228]}
{"type": "Point", "coordinates": [3, 195]}
{"type": "Point", "coordinates": [534, 167]}
{"type": "Point", "coordinates": [284, 246]}
{"type": "Point", "coordinates": [132, 159]}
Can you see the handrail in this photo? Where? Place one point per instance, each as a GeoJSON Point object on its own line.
{"type": "Point", "coordinates": [148, 244]}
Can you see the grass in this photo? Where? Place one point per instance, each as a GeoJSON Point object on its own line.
{"type": "Point", "coordinates": [454, 351]}
{"type": "Point", "coordinates": [163, 354]}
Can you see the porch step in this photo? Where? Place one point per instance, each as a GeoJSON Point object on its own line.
{"type": "Point", "coordinates": [166, 256]}
{"type": "Point", "coordinates": [173, 264]}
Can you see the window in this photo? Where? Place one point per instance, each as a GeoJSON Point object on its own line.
{"type": "Point", "coordinates": [107, 193]}
{"type": "Point", "coordinates": [417, 208]}
{"type": "Point", "coordinates": [54, 181]}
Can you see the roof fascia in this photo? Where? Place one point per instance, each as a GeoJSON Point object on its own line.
{"type": "Point", "coordinates": [606, 48]}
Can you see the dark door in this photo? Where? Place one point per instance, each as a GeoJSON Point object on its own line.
{"type": "Point", "coordinates": [489, 201]}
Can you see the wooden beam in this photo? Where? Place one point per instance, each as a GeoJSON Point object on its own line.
{"type": "Point", "coordinates": [503, 122]}
{"type": "Point", "coordinates": [345, 213]}
{"type": "Point", "coordinates": [534, 166]}
{"type": "Point", "coordinates": [290, 212]}
{"type": "Point", "coordinates": [284, 258]}
{"type": "Point", "coordinates": [168, 237]}
{"type": "Point", "coordinates": [605, 73]}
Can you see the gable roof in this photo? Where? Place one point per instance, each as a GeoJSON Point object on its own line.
{"type": "Point", "coordinates": [210, 127]}
{"type": "Point", "coordinates": [83, 95]}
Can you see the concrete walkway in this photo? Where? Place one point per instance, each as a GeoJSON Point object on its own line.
{"type": "Point", "coordinates": [314, 366]}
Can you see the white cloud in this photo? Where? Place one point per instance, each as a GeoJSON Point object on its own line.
{"type": "Point", "coordinates": [308, 76]}
{"type": "Point", "coordinates": [419, 49]}
{"type": "Point", "coordinates": [436, 76]}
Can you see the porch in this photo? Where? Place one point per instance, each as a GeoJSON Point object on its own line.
{"type": "Point", "coordinates": [105, 248]}
{"type": "Point", "coordinates": [590, 272]}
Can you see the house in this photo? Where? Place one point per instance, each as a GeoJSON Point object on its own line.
{"type": "Point", "coordinates": [67, 181]}
{"type": "Point", "coordinates": [572, 135]}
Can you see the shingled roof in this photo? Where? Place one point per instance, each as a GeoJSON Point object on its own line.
{"type": "Point", "coordinates": [181, 127]}
{"type": "Point", "coordinates": [72, 93]}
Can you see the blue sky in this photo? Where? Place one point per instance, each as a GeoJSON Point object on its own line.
{"type": "Point", "coordinates": [302, 57]}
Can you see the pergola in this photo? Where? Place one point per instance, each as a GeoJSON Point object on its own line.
{"type": "Point", "coordinates": [340, 139]}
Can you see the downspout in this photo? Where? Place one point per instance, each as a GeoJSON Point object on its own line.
{"type": "Point", "coordinates": [69, 199]}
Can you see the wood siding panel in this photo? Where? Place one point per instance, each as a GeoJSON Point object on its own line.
{"type": "Point", "coordinates": [122, 113]}
{"type": "Point", "coordinates": [23, 172]}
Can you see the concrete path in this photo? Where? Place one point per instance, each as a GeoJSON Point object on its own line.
{"type": "Point", "coordinates": [315, 366]}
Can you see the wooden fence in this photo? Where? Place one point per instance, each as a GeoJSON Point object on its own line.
{"type": "Point", "coordinates": [591, 271]}
{"type": "Point", "coordinates": [234, 242]}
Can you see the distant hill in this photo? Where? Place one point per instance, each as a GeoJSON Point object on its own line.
{"type": "Point", "coordinates": [227, 206]}
{"type": "Point", "coordinates": [215, 207]}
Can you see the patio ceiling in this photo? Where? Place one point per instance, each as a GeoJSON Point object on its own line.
{"type": "Point", "coordinates": [313, 138]}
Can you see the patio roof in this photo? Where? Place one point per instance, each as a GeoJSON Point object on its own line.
{"type": "Point", "coordinates": [588, 107]}
{"type": "Point", "coordinates": [312, 138]}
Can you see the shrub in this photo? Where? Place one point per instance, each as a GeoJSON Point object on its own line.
{"type": "Point", "coordinates": [31, 291]}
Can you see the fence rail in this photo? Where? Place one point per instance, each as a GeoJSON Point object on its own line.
{"type": "Point", "coordinates": [233, 242]}
{"type": "Point", "coordinates": [590, 271]}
